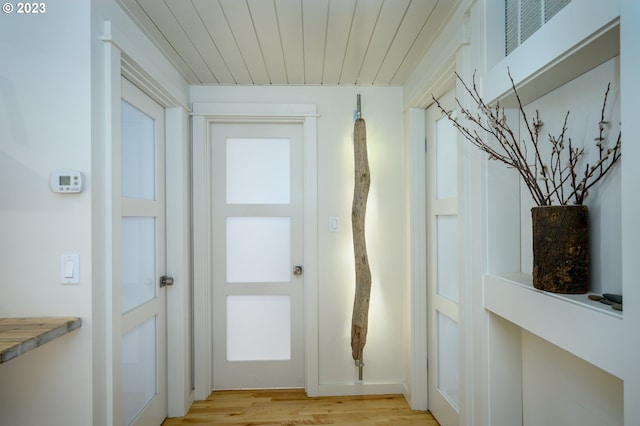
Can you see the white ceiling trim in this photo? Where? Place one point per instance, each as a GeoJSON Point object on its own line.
{"type": "Point", "coordinates": [214, 109]}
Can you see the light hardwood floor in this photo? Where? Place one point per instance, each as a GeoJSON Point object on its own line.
{"type": "Point", "coordinates": [292, 407]}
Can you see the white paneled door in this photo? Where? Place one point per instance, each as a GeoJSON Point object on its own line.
{"type": "Point", "coordinates": [140, 382]}
{"type": "Point", "coordinates": [442, 262]}
{"type": "Point", "coordinates": [258, 277]}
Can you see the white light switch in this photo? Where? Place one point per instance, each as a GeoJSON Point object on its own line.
{"type": "Point", "coordinates": [70, 269]}
{"type": "Point", "coordinates": [334, 224]}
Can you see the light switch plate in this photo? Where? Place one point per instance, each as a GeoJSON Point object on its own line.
{"type": "Point", "coordinates": [334, 224]}
{"type": "Point", "coordinates": [70, 269]}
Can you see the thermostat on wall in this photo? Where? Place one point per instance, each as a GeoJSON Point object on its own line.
{"type": "Point", "coordinates": [66, 181]}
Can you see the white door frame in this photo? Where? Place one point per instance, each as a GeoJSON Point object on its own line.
{"type": "Point", "coordinates": [119, 61]}
{"type": "Point", "coordinates": [417, 388]}
{"type": "Point", "coordinates": [203, 115]}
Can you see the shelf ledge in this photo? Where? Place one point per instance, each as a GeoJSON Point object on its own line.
{"type": "Point", "coordinates": [587, 329]}
{"type": "Point", "coordinates": [20, 335]}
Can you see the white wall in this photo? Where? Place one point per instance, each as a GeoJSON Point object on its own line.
{"type": "Point", "coordinates": [560, 389]}
{"type": "Point", "coordinates": [45, 124]}
{"type": "Point", "coordinates": [52, 87]}
{"type": "Point", "coordinates": [477, 35]}
{"type": "Point", "coordinates": [385, 225]}
{"type": "Point", "coordinates": [630, 176]}
{"type": "Point", "coordinates": [583, 98]}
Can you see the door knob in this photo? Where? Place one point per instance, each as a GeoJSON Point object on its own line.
{"type": "Point", "coordinates": [165, 281]}
{"type": "Point", "coordinates": [297, 270]}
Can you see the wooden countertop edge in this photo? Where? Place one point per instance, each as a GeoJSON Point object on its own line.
{"type": "Point", "coordinates": [65, 326]}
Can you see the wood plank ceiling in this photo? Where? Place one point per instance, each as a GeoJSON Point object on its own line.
{"type": "Point", "coordinates": [292, 42]}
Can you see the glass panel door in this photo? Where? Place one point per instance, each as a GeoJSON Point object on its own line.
{"type": "Point", "coordinates": [258, 328]}
{"type": "Point", "coordinates": [138, 261]}
{"type": "Point", "coordinates": [257, 226]}
{"type": "Point", "coordinates": [258, 171]}
{"type": "Point", "coordinates": [264, 243]}
{"type": "Point", "coordinates": [442, 264]}
{"type": "Point", "coordinates": [140, 386]}
{"type": "Point", "coordinates": [448, 360]}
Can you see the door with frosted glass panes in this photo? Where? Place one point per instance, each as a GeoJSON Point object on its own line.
{"type": "Point", "coordinates": [257, 186]}
{"type": "Point", "coordinates": [140, 368]}
{"type": "Point", "coordinates": [442, 264]}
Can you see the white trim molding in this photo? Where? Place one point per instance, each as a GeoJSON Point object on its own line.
{"type": "Point", "coordinates": [361, 389]}
{"type": "Point", "coordinates": [417, 392]}
{"type": "Point", "coordinates": [224, 111]}
{"type": "Point", "coordinates": [133, 71]}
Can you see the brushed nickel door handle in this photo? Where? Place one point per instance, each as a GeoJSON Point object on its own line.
{"type": "Point", "coordinates": [165, 281]}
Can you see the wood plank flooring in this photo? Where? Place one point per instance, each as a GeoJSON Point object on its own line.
{"type": "Point", "coordinates": [292, 407]}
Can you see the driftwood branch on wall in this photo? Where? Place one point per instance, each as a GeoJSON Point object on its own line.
{"type": "Point", "coordinates": [359, 321]}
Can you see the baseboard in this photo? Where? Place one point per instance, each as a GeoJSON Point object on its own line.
{"type": "Point", "coordinates": [417, 400]}
{"type": "Point", "coordinates": [343, 389]}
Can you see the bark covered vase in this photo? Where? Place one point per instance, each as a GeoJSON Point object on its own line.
{"type": "Point", "coordinates": [561, 258]}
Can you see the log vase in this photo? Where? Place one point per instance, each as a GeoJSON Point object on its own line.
{"type": "Point", "coordinates": [561, 259]}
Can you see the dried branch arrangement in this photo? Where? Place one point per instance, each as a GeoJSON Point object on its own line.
{"type": "Point", "coordinates": [546, 180]}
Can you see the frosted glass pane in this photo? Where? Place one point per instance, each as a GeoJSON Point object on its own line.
{"type": "Point", "coordinates": [138, 369]}
{"type": "Point", "coordinates": [448, 355]}
{"type": "Point", "coordinates": [138, 261]}
{"type": "Point", "coordinates": [258, 249]}
{"type": "Point", "coordinates": [258, 328]}
{"type": "Point", "coordinates": [258, 171]}
{"type": "Point", "coordinates": [138, 154]}
{"type": "Point", "coordinates": [446, 160]}
{"type": "Point", "coordinates": [447, 246]}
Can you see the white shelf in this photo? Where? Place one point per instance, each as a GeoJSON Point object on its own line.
{"type": "Point", "coordinates": [580, 37]}
{"type": "Point", "coordinates": [590, 330]}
